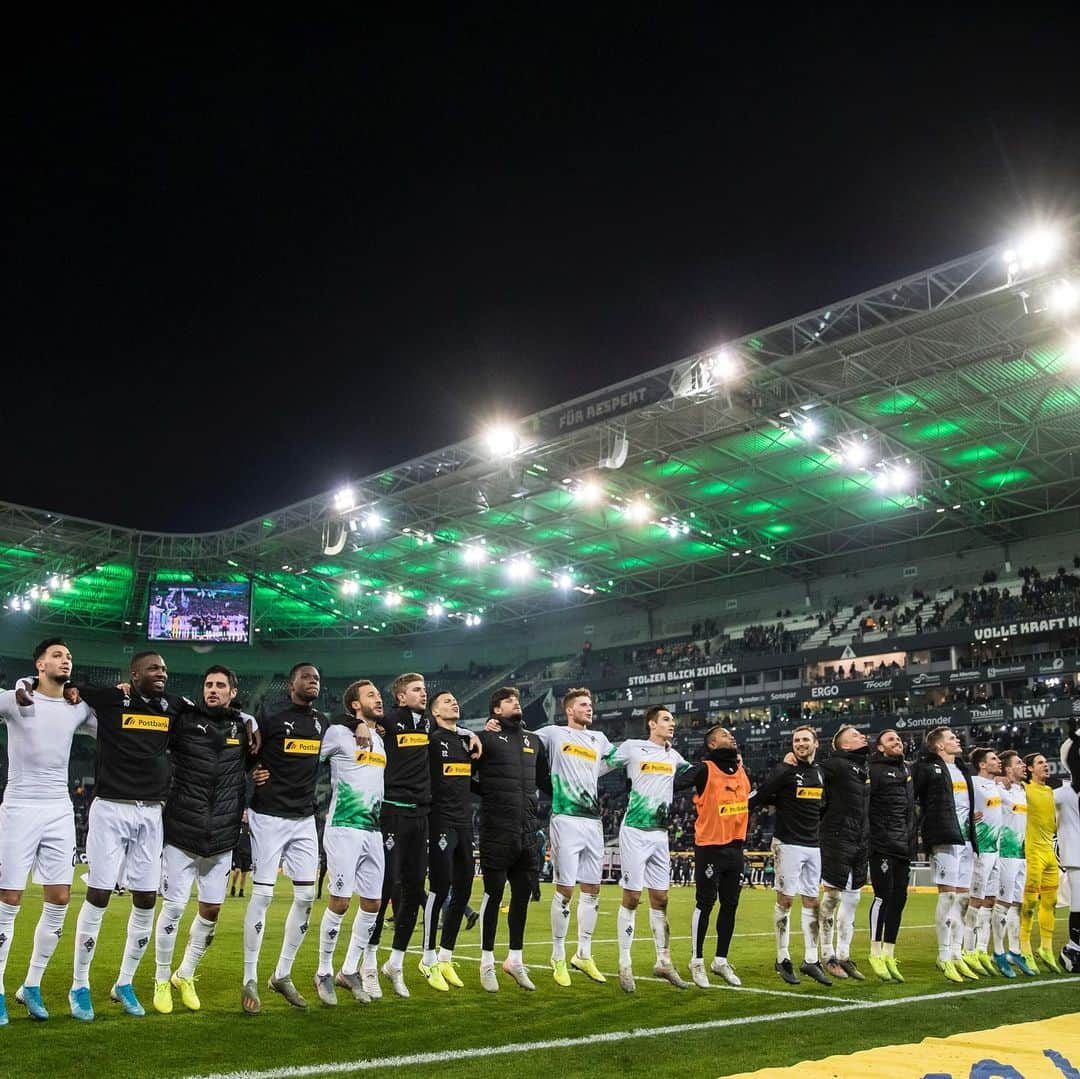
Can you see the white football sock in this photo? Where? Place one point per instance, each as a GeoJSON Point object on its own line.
{"type": "Point", "coordinates": [168, 929]}
{"type": "Point", "coordinates": [810, 929]}
{"type": "Point", "coordinates": [943, 924]}
{"type": "Point", "coordinates": [8, 913]}
{"type": "Point", "coordinates": [200, 937]}
{"type": "Point", "coordinates": [998, 922]}
{"type": "Point", "coordinates": [982, 930]}
{"type": "Point", "coordinates": [588, 908]}
{"type": "Point", "coordinates": [362, 928]}
{"type": "Point", "coordinates": [560, 923]}
{"type": "Point", "coordinates": [140, 928]}
{"type": "Point", "coordinates": [845, 922]}
{"type": "Point", "coordinates": [661, 934]}
{"type": "Point", "coordinates": [827, 911]}
{"type": "Point", "coordinates": [87, 929]}
{"type": "Point", "coordinates": [329, 930]}
{"type": "Point", "coordinates": [782, 928]}
{"type": "Point", "coordinates": [1012, 929]}
{"type": "Point", "coordinates": [47, 934]}
{"type": "Point", "coordinates": [626, 921]}
{"type": "Point", "coordinates": [255, 927]}
{"type": "Point", "coordinates": [296, 927]}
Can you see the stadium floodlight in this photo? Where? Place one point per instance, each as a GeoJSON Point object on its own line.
{"type": "Point", "coordinates": [1064, 297]}
{"type": "Point", "coordinates": [501, 440]}
{"type": "Point", "coordinates": [392, 599]}
{"type": "Point", "coordinates": [901, 478]}
{"type": "Point", "coordinates": [588, 492]}
{"type": "Point", "coordinates": [636, 511]}
{"type": "Point", "coordinates": [519, 569]}
{"type": "Point", "coordinates": [720, 367]}
{"type": "Point", "coordinates": [349, 588]}
{"type": "Point", "coordinates": [344, 499]}
{"type": "Point", "coordinates": [856, 452]}
{"type": "Point", "coordinates": [809, 428]}
{"type": "Point", "coordinates": [372, 520]}
{"type": "Point", "coordinates": [472, 620]}
{"type": "Point", "coordinates": [34, 592]}
{"type": "Point", "coordinates": [564, 581]}
{"type": "Point", "coordinates": [1035, 249]}
{"type": "Point", "coordinates": [54, 582]}
{"type": "Point", "coordinates": [436, 610]}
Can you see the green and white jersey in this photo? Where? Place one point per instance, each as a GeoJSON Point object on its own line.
{"type": "Point", "coordinates": [988, 803]}
{"type": "Point", "coordinates": [960, 797]}
{"type": "Point", "coordinates": [577, 760]}
{"type": "Point", "coordinates": [356, 779]}
{"type": "Point", "coordinates": [1013, 821]}
{"type": "Point", "coordinates": [651, 770]}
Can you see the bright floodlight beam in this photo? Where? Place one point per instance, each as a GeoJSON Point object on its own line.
{"type": "Point", "coordinates": [588, 492]}
{"type": "Point", "coordinates": [501, 440]}
{"type": "Point", "coordinates": [723, 366]}
{"type": "Point", "coordinates": [372, 521]}
{"type": "Point", "coordinates": [344, 499]}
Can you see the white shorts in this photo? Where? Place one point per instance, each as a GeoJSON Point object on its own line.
{"type": "Point", "coordinates": [986, 875]}
{"type": "Point", "coordinates": [179, 870]}
{"type": "Point", "coordinates": [38, 837]}
{"type": "Point", "coordinates": [124, 839]}
{"type": "Point", "coordinates": [279, 841]}
{"type": "Point", "coordinates": [354, 862]}
{"type": "Point", "coordinates": [646, 859]}
{"type": "Point", "coordinates": [1012, 873]}
{"type": "Point", "coordinates": [798, 869]}
{"type": "Point", "coordinates": [577, 850]}
{"type": "Point", "coordinates": [953, 866]}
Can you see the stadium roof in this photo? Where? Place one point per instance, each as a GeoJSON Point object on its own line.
{"type": "Point", "coordinates": [946, 403]}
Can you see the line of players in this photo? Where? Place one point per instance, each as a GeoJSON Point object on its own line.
{"type": "Point", "coordinates": [400, 812]}
{"type": "Point", "coordinates": [989, 833]}
{"type": "Point", "coordinates": [171, 776]}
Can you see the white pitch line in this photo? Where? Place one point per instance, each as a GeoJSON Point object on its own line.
{"type": "Point", "coordinates": [446, 1056]}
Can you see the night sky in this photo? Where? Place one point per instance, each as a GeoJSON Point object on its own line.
{"type": "Point", "coordinates": [248, 263]}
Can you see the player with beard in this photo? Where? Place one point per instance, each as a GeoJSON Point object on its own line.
{"type": "Point", "coordinates": [37, 824]}
{"type": "Point", "coordinates": [506, 778]}
{"type": "Point", "coordinates": [797, 790]}
{"type": "Point", "coordinates": [722, 792]}
{"type": "Point", "coordinates": [576, 756]}
{"type": "Point", "coordinates": [208, 748]}
{"type": "Point", "coordinates": [405, 731]}
{"type": "Point", "coordinates": [282, 822]}
{"type": "Point", "coordinates": [132, 778]}
{"type": "Point", "coordinates": [352, 838]}
{"type": "Point", "coordinates": [845, 846]}
{"type": "Point", "coordinates": [652, 768]}
{"type": "Point", "coordinates": [892, 844]}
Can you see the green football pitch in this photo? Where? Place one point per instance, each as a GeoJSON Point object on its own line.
{"type": "Point", "coordinates": [586, 1029]}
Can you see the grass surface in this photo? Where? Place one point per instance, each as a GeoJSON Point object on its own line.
{"type": "Point", "coordinates": [219, 1039]}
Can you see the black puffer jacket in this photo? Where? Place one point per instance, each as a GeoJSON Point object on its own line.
{"type": "Point", "coordinates": [892, 807]}
{"type": "Point", "coordinates": [208, 747]}
{"type": "Point", "coordinates": [847, 795]}
{"type": "Point", "coordinates": [937, 807]}
{"type": "Point", "coordinates": [506, 777]}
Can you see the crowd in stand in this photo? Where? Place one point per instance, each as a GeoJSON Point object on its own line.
{"type": "Point", "coordinates": [1056, 594]}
